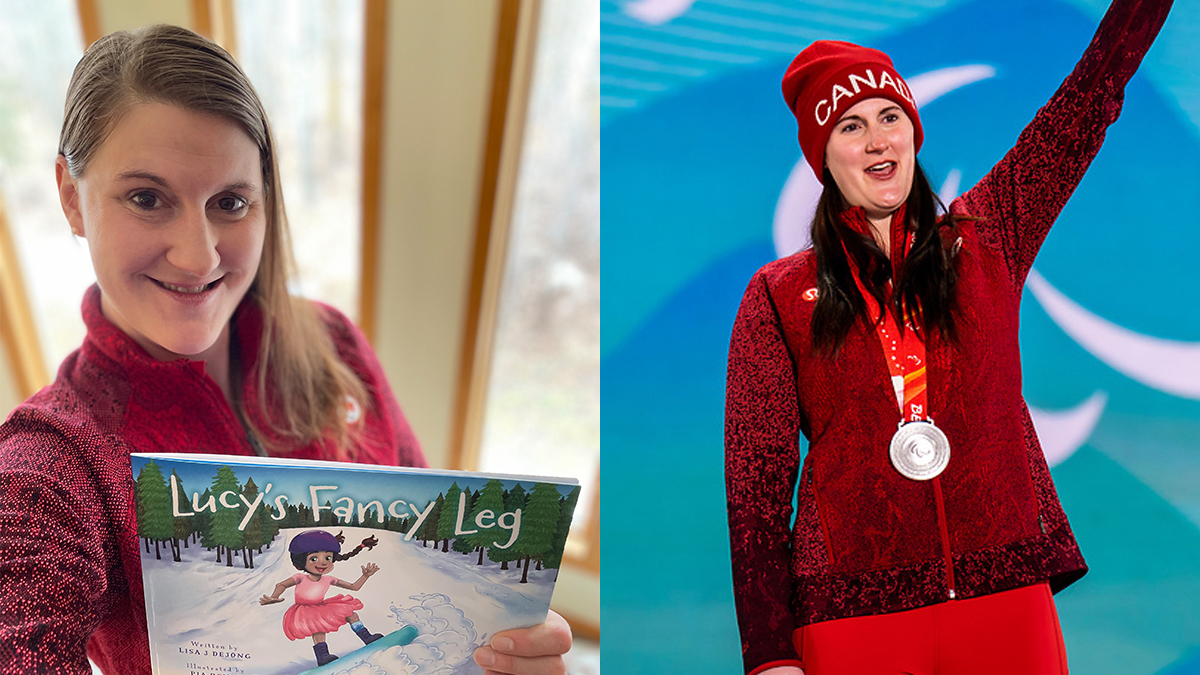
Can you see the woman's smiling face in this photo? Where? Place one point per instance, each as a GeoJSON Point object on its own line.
{"type": "Point", "coordinates": [173, 208]}
{"type": "Point", "coordinates": [872, 157]}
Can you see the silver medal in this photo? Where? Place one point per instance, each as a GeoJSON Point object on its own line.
{"type": "Point", "coordinates": [920, 450]}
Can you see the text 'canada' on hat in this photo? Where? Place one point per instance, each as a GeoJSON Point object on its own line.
{"type": "Point", "coordinates": [829, 77]}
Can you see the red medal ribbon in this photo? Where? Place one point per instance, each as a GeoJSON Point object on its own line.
{"type": "Point", "coordinates": [903, 351]}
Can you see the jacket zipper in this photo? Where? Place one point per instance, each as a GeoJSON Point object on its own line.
{"type": "Point", "coordinates": [227, 411]}
{"type": "Point", "coordinates": [945, 532]}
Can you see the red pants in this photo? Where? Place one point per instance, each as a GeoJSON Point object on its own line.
{"type": "Point", "coordinates": [1015, 631]}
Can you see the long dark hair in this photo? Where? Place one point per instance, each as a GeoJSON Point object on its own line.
{"type": "Point", "coordinates": [924, 285]}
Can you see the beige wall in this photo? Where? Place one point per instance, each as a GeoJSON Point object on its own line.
{"type": "Point", "coordinates": [438, 82]}
{"type": "Point", "coordinates": [117, 15]}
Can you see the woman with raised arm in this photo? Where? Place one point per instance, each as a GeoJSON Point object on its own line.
{"type": "Point", "coordinates": [168, 168]}
{"type": "Point", "coordinates": [927, 534]}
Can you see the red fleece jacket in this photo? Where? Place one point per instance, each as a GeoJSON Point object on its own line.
{"type": "Point", "coordinates": [867, 540]}
{"type": "Point", "coordinates": [70, 571]}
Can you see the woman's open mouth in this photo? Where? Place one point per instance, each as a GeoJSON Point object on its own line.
{"type": "Point", "coordinates": [186, 290]}
{"type": "Point", "coordinates": [882, 170]}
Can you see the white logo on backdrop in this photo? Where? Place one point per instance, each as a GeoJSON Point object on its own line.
{"type": "Point", "coordinates": [657, 12]}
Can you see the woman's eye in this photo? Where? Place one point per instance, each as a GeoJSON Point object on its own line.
{"type": "Point", "coordinates": [231, 203]}
{"type": "Point", "coordinates": [891, 118]}
{"type": "Point", "coordinates": [850, 126]}
{"type": "Point", "coordinates": [145, 200]}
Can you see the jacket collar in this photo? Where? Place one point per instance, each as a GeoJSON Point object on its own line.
{"type": "Point", "coordinates": [104, 337]}
{"type": "Point", "coordinates": [855, 218]}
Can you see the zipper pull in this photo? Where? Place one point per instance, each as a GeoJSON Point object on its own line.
{"type": "Point", "coordinates": [255, 443]}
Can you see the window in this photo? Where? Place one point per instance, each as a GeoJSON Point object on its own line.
{"type": "Point", "coordinates": [39, 46]}
{"type": "Point", "coordinates": [542, 413]}
{"type": "Point", "coordinates": [305, 60]}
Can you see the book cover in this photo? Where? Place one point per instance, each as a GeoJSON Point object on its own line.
{"type": "Point", "coordinates": [265, 566]}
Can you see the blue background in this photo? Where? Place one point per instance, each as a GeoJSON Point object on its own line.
{"type": "Point", "coordinates": [697, 145]}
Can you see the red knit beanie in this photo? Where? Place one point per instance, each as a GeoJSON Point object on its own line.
{"type": "Point", "coordinates": [829, 77]}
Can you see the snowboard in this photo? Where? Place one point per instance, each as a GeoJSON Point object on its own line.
{"type": "Point", "coordinates": [395, 638]}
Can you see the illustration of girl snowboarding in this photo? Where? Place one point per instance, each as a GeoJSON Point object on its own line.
{"type": "Point", "coordinates": [314, 553]}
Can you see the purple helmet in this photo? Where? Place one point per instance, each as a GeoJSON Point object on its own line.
{"type": "Point", "coordinates": [314, 540]}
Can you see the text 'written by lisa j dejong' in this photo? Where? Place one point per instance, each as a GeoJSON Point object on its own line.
{"type": "Point", "coordinates": [484, 520]}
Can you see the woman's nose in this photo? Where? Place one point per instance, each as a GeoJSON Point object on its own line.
{"type": "Point", "coordinates": [193, 245]}
{"type": "Point", "coordinates": [876, 140]}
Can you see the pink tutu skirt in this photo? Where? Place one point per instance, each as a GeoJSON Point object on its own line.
{"type": "Point", "coordinates": [301, 621]}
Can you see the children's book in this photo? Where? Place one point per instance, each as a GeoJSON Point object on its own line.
{"type": "Point", "coordinates": [265, 566]}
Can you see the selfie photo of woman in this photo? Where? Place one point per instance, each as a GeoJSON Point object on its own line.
{"type": "Point", "coordinates": [378, 315]}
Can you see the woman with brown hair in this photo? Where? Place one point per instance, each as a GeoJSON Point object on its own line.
{"type": "Point", "coordinates": [168, 168]}
{"type": "Point", "coordinates": [927, 536]}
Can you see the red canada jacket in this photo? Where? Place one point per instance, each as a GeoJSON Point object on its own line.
{"type": "Point", "coordinates": [866, 540]}
{"type": "Point", "coordinates": [70, 570]}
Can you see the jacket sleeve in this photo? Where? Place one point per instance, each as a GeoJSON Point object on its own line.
{"type": "Point", "coordinates": [1019, 199]}
{"type": "Point", "coordinates": [762, 421]}
{"type": "Point", "coordinates": [53, 564]}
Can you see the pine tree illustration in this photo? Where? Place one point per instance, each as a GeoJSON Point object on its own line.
{"type": "Point", "coordinates": [138, 502]}
{"type": "Point", "coordinates": [181, 525]}
{"type": "Point", "coordinates": [204, 514]}
{"type": "Point", "coordinates": [553, 557]}
{"type": "Point", "coordinates": [429, 528]}
{"type": "Point", "coordinates": [491, 498]}
{"type": "Point", "coordinates": [270, 526]}
{"type": "Point", "coordinates": [153, 507]}
{"type": "Point", "coordinates": [449, 516]}
{"type": "Point", "coordinates": [514, 501]}
{"type": "Point", "coordinates": [463, 544]}
{"type": "Point", "coordinates": [538, 524]}
{"type": "Point", "coordinates": [225, 520]}
{"type": "Point", "coordinates": [252, 536]}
